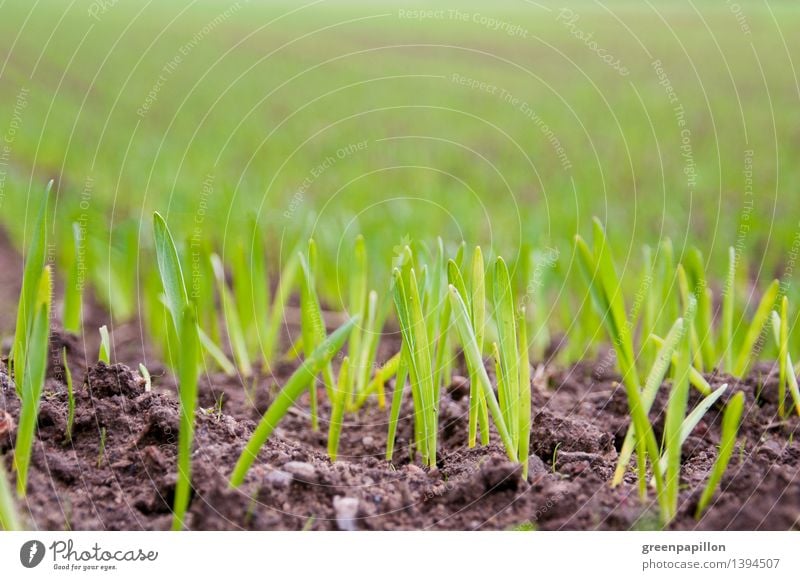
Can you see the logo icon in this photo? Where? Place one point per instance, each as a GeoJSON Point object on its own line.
{"type": "Point", "coordinates": [31, 553]}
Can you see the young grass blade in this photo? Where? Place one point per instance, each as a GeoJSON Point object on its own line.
{"type": "Point", "coordinates": [33, 377]}
{"type": "Point", "coordinates": [727, 311]}
{"type": "Point", "coordinates": [9, 519]}
{"type": "Point", "coordinates": [780, 325]}
{"type": "Point", "coordinates": [31, 277]}
{"type": "Point", "coordinates": [783, 353]}
{"type": "Point", "coordinates": [475, 364]}
{"type": "Point", "coordinates": [760, 319]}
{"type": "Point", "coordinates": [397, 401]}
{"type": "Point", "coordinates": [357, 305]}
{"type": "Point", "coordinates": [73, 286]}
{"type": "Point", "coordinates": [730, 429]}
{"type": "Point", "coordinates": [676, 413]}
{"type": "Point", "coordinates": [652, 384]}
{"type": "Point", "coordinates": [693, 419]}
{"type": "Point", "coordinates": [169, 266]}
{"type": "Point", "coordinates": [421, 352]}
{"type": "Point", "coordinates": [696, 379]}
{"type": "Point", "coordinates": [508, 347]}
{"type": "Point", "coordinates": [105, 346]}
{"type": "Point", "coordinates": [404, 317]}
{"type": "Point", "coordinates": [703, 322]}
{"type": "Point", "coordinates": [337, 412]}
{"type": "Point", "coordinates": [145, 374]}
{"type": "Point", "coordinates": [287, 282]}
{"type": "Point", "coordinates": [293, 388]}
{"type": "Point", "coordinates": [187, 393]}
{"type": "Point", "coordinates": [236, 334]}
{"type": "Point", "coordinates": [70, 395]}
{"type": "Point", "coordinates": [524, 403]}
{"type": "Point", "coordinates": [477, 309]}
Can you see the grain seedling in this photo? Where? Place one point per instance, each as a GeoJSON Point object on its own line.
{"type": "Point", "coordinates": [33, 377]}
{"type": "Point", "coordinates": [73, 286]}
{"type": "Point", "coordinates": [70, 396]}
{"type": "Point", "coordinates": [294, 387]}
{"type": "Point", "coordinates": [342, 395]}
{"type": "Point", "coordinates": [9, 519]}
{"type": "Point", "coordinates": [145, 374]}
{"type": "Point", "coordinates": [233, 323]}
{"type": "Point", "coordinates": [185, 323]}
{"type": "Point", "coordinates": [104, 354]}
{"type": "Point", "coordinates": [187, 394]}
{"type": "Point", "coordinates": [755, 330]}
{"type": "Point", "coordinates": [730, 429]}
{"type": "Point", "coordinates": [419, 353]}
{"type": "Point", "coordinates": [29, 293]}
{"type": "Point", "coordinates": [474, 360]}
{"type": "Point", "coordinates": [312, 327]}
{"type": "Point", "coordinates": [599, 272]}
{"type": "Point", "coordinates": [787, 373]}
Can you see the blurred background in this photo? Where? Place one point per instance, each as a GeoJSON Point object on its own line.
{"type": "Point", "coordinates": [508, 123]}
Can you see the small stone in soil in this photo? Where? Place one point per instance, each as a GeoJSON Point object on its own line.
{"type": "Point", "coordinates": [367, 441]}
{"type": "Point", "coordinates": [279, 479]}
{"type": "Point", "coordinates": [346, 509]}
{"type": "Point", "coordinates": [301, 471]}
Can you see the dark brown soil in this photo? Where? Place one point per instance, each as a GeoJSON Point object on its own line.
{"type": "Point", "coordinates": [118, 470]}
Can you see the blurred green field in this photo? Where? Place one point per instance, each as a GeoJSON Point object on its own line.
{"type": "Point", "coordinates": [505, 124]}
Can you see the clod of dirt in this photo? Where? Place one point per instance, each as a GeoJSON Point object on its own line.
{"type": "Point", "coordinates": [346, 510]}
{"type": "Point", "coordinates": [117, 379]}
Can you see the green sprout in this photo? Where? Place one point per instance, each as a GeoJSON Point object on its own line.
{"type": "Point", "coordinates": [33, 378]}
{"type": "Point", "coordinates": [730, 430]}
{"type": "Point", "coordinates": [104, 355]}
{"type": "Point", "coordinates": [70, 396]}
{"type": "Point", "coordinates": [294, 387]}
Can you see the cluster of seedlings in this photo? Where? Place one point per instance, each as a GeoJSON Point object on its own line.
{"type": "Point", "coordinates": [447, 304]}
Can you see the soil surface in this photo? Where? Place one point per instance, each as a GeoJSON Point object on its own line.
{"type": "Point", "coordinates": [118, 470]}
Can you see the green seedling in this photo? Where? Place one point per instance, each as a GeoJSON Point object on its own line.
{"type": "Point", "coordinates": [70, 396]}
{"type": "Point", "coordinates": [187, 395]}
{"type": "Point", "coordinates": [73, 286]}
{"type": "Point", "coordinates": [233, 324]}
{"type": "Point", "coordinates": [788, 376]}
{"type": "Point", "coordinates": [599, 272]}
{"type": "Point", "coordinates": [145, 374]}
{"type": "Point", "coordinates": [342, 395]}
{"type": "Point", "coordinates": [474, 360]}
{"type": "Point", "coordinates": [104, 355]}
{"type": "Point", "coordinates": [730, 430]}
{"type": "Point", "coordinates": [27, 310]}
{"type": "Point", "coordinates": [756, 328]}
{"type": "Point", "coordinates": [294, 387]}
{"type": "Point", "coordinates": [33, 377]}
{"type": "Point", "coordinates": [9, 518]}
